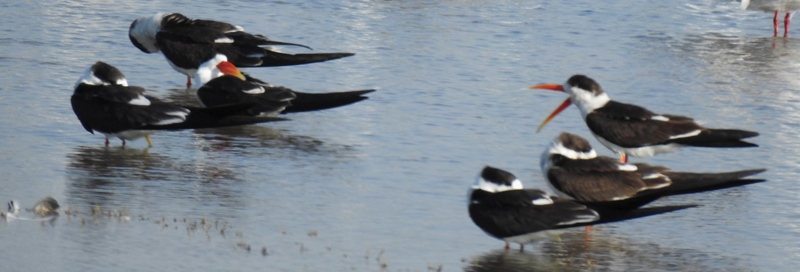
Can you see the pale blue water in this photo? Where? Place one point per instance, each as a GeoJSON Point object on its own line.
{"type": "Point", "coordinates": [380, 185]}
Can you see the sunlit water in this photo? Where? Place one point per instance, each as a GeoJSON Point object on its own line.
{"type": "Point", "coordinates": [380, 185]}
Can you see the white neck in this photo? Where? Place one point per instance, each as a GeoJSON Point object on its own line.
{"type": "Point", "coordinates": [588, 102]}
{"type": "Point", "coordinates": [558, 148]}
{"type": "Point", "coordinates": [208, 70]}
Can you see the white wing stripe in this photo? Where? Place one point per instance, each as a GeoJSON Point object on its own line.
{"type": "Point", "coordinates": [582, 219]}
{"type": "Point", "coordinates": [689, 134]}
{"type": "Point", "coordinates": [258, 90]}
{"type": "Point", "coordinates": [179, 116]}
{"type": "Point", "coordinates": [223, 40]}
{"type": "Point", "coordinates": [140, 101]}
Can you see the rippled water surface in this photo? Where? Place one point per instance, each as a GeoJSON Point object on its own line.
{"type": "Point", "coordinates": [380, 185]}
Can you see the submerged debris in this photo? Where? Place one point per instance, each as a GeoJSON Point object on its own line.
{"type": "Point", "coordinates": [243, 245]}
{"type": "Point", "coordinates": [46, 207]}
{"type": "Point", "coordinates": [437, 268]}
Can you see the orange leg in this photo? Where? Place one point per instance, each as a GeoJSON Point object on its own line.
{"type": "Point", "coordinates": [588, 235]}
{"type": "Point", "coordinates": [623, 158]}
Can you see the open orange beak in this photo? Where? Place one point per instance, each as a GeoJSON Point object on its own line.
{"type": "Point", "coordinates": [564, 105]}
{"type": "Point", "coordinates": [229, 69]}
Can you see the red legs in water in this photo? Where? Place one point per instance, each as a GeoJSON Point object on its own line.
{"type": "Point", "coordinates": [776, 23]}
{"type": "Point", "coordinates": [189, 79]}
{"type": "Point", "coordinates": [588, 233]}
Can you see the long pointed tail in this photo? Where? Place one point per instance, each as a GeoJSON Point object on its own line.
{"type": "Point", "coordinates": [273, 58]}
{"type": "Point", "coordinates": [719, 138]}
{"type": "Point", "coordinates": [320, 101]}
{"type": "Point", "coordinates": [221, 116]}
{"type": "Point", "coordinates": [682, 183]}
{"type": "Point", "coordinates": [611, 216]}
{"type": "Point", "coordinates": [688, 183]}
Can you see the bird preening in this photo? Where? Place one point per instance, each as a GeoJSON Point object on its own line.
{"type": "Point", "coordinates": [103, 102]}
{"type": "Point", "coordinates": [209, 51]}
{"type": "Point", "coordinates": [587, 189]}
{"type": "Point", "coordinates": [186, 43]}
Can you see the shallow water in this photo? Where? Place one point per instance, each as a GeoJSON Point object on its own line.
{"type": "Point", "coordinates": [380, 185]}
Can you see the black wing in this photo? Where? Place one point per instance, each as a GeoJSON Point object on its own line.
{"type": "Point", "coordinates": [215, 25]}
{"type": "Point", "coordinates": [188, 47]}
{"type": "Point", "coordinates": [231, 90]}
{"type": "Point", "coordinates": [599, 179]}
{"type": "Point", "coordinates": [629, 125]}
{"type": "Point", "coordinates": [105, 108]}
{"type": "Point", "coordinates": [512, 213]}
{"type": "Point", "coordinates": [111, 93]}
{"type": "Point", "coordinates": [236, 33]}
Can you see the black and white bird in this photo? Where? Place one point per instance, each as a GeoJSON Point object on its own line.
{"type": "Point", "coordinates": [186, 43]}
{"type": "Point", "coordinates": [222, 83]}
{"type": "Point", "coordinates": [574, 171]}
{"type": "Point", "coordinates": [629, 129]}
{"type": "Point", "coordinates": [776, 6]}
{"type": "Point", "coordinates": [501, 207]}
{"type": "Point", "coordinates": [103, 102]}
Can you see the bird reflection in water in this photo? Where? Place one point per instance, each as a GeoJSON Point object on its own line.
{"type": "Point", "coordinates": [259, 140]}
{"type": "Point", "coordinates": [727, 54]}
{"type": "Point", "coordinates": [104, 164]}
{"type": "Point", "coordinates": [115, 176]}
{"type": "Point", "coordinates": [603, 253]}
{"type": "Point", "coordinates": [244, 138]}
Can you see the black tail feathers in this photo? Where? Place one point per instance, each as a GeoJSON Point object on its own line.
{"type": "Point", "coordinates": [687, 183]}
{"type": "Point", "coordinates": [320, 101]}
{"type": "Point", "coordinates": [719, 138]}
